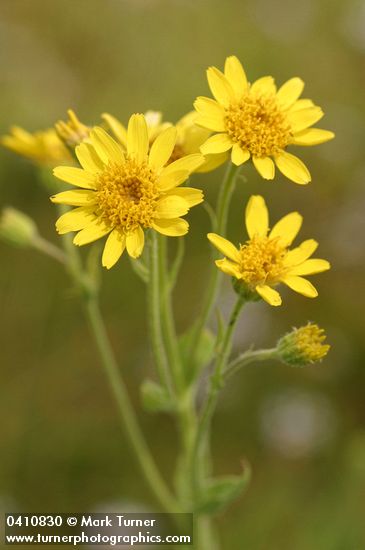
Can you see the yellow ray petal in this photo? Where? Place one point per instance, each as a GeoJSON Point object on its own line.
{"type": "Point", "coordinates": [95, 230]}
{"type": "Point", "coordinates": [219, 143]}
{"type": "Point", "coordinates": [264, 85]}
{"type": "Point", "coordinates": [212, 162]}
{"type": "Point", "coordinates": [210, 109]}
{"type": "Point", "coordinates": [293, 168]}
{"type": "Point", "coordinates": [162, 148]}
{"type": "Point", "coordinates": [225, 246]}
{"type": "Point", "coordinates": [75, 176]}
{"type": "Point", "coordinates": [190, 194]}
{"type": "Point", "coordinates": [236, 75]}
{"type": "Point", "coordinates": [270, 295]}
{"type": "Point", "coordinates": [239, 155]}
{"type": "Point", "coordinates": [172, 179]}
{"type": "Point", "coordinates": [77, 197]}
{"type": "Point", "coordinates": [289, 92]}
{"type": "Point", "coordinates": [135, 242]}
{"type": "Point", "coordinates": [105, 146]}
{"type": "Point", "coordinates": [185, 164]}
{"type": "Point", "coordinates": [257, 217]}
{"type": "Point", "coordinates": [117, 128]}
{"type": "Point", "coordinates": [303, 118]}
{"type": "Point", "coordinates": [209, 123]}
{"type": "Point", "coordinates": [301, 253]}
{"type": "Point", "coordinates": [113, 249]}
{"type": "Point", "coordinates": [172, 228]}
{"type": "Point", "coordinates": [229, 268]}
{"type": "Point", "coordinates": [88, 158]}
{"type": "Point", "coordinates": [138, 142]}
{"type": "Point", "coordinates": [301, 104]}
{"type": "Point", "coordinates": [312, 136]}
{"type": "Point", "coordinates": [310, 267]}
{"type": "Point", "coordinates": [300, 285]}
{"type": "Point", "coordinates": [265, 167]}
{"type": "Point", "coordinates": [287, 228]}
{"type": "Point", "coordinates": [171, 206]}
{"type": "Point", "coordinates": [75, 219]}
{"type": "Point", "coordinates": [220, 87]}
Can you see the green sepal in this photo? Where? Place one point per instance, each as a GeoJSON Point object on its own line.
{"type": "Point", "coordinates": [155, 398]}
{"type": "Point", "coordinates": [222, 491]}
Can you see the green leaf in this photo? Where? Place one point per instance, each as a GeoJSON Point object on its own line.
{"type": "Point", "coordinates": [220, 492]}
{"type": "Point", "coordinates": [155, 398]}
{"type": "Point", "coordinates": [203, 354]}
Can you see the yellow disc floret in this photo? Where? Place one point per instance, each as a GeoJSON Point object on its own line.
{"type": "Point", "coordinates": [303, 346]}
{"type": "Point", "coordinates": [261, 261]}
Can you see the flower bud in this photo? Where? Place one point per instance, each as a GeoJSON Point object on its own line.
{"type": "Point", "coordinates": [73, 132]}
{"type": "Point", "coordinates": [303, 346]}
{"type": "Point", "coordinates": [16, 228]}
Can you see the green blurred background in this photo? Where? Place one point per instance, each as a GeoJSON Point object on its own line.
{"type": "Point", "coordinates": [61, 447]}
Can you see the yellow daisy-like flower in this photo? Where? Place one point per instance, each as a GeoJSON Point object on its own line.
{"type": "Point", "coordinates": [265, 260]}
{"type": "Point", "coordinates": [189, 139]}
{"type": "Point", "coordinates": [258, 121]}
{"type": "Point", "coordinates": [125, 192]}
{"type": "Point", "coordinates": [73, 131]}
{"type": "Point", "coordinates": [43, 147]}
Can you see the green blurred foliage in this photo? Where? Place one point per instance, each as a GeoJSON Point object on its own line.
{"type": "Point", "coordinates": [302, 430]}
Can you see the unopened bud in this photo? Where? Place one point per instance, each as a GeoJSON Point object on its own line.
{"type": "Point", "coordinates": [303, 346]}
{"type": "Point", "coordinates": [16, 228]}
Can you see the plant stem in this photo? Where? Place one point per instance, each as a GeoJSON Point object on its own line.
{"type": "Point", "coordinates": [247, 358]}
{"type": "Point", "coordinates": [48, 248]}
{"type": "Point", "coordinates": [210, 297]}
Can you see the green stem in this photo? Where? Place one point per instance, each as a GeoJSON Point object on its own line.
{"type": "Point", "coordinates": [209, 301]}
{"type": "Point", "coordinates": [48, 248]}
{"type": "Point", "coordinates": [125, 408]}
{"type": "Point", "coordinates": [154, 304]}
{"type": "Point", "coordinates": [249, 357]}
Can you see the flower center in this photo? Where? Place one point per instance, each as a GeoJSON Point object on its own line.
{"type": "Point", "coordinates": [309, 343]}
{"type": "Point", "coordinates": [258, 125]}
{"type": "Point", "coordinates": [127, 194]}
{"type": "Point", "coordinates": [261, 261]}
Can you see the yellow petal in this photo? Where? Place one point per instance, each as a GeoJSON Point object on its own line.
{"type": "Point", "coordinates": [264, 85]}
{"type": "Point", "coordinates": [117, 128]}
{"type": "Point", "coordinates": [75, 219]}
{"type": "Point", "coordinates": [300, 285]}
{"type": "Point", "coordinates": [270, 295]}
{"type": "Point", "coordinates": [220, 87]}
{"type": "Point", "coordinates": [265, 167]}
{"type": "Point", "coordinates": [209, 123]}
{"type": "Point", "coordinates": [293, 168]}
{"type": "Point", "coordinates": [113, 249]}
{"type": "Point", "coordinates": [303, 118]}
{"type": "Point", "coordinates": [210, 109]}
{"type": "Point", "coordinates": [190, 194]}
{"type": "Point", "coordinates": [289, 92]}
{"type": "Point", "coordinates": [75, 176]}
{"type": "Point", "coordinates": [301, 104]}
{"type": "Point", "coordinates": [212, 162]}
{"type": "Point", "coordinates": [169, 180]}
{"type": "Point", "coordinates": [105, 146]}
{"type": "Point", "coordinates": [135, 242]}
{"type": "Point", "coordinates": [257, 217]}
{"type": "Point", "coordinates": [162, 148]}
{"type": "Point", "coordinates": [171, 206]}
{"type": "Point", "coordinates": [138, 142]}
{"type": "Point", "coordinates": [229, 268]}
{"type": "Point", "coordinates": [185, 164]}
{"type": "Point", "coordinates": [171, 228]}
{"type": "Point", "coordinates": [312, 136]}
{"type": "Point", "coordinates": [239, 155]}
{"type": "Point", "coordinates": [219, 143]}
{"type": "Point", "coordinates": [301, 253]}
{"type": "Point", "coordinates": [88, 158]}
{"type": "Point", "coordinates": [287, 228]}
{"type": "Point", "coordinates": [236, 75]}
{"type": "Point", "coordinates": [77, 197]}
{"type": "Point", "coordinates": [95, 230]}
{"type": "Point", "coordinates": [224, 246]}
{"type": "Point", "coordinates": [310, 267]}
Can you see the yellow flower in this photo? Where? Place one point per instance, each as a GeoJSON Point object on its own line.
{"type": "Point", "coordinates": [265, 260]}
{"type": "Point", "coordinates": [123, 193]}
{"type": "Point", "coordinates": [73, 132]}
{"type": "Point", "coordinates": [258, 121]}
{"type": "Point", "coordinates": [303, 346]}
{"type": "Point", "coordinates": [189, 139]}
{"type": "Point", "coordinates": [43, 147]}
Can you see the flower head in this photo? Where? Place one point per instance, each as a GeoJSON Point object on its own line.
{"type": "Point", "coordinates": [43, 147]}
{"type": "Point", "coordinates": [303, 346]}
{"type": "Point", "coordinates": [258, 121]}
{"type": "Point", "coordinates": [265, 260]}
{"type": "Point", "coordinates": [123, 192]}
{"type": "Point", "coordinates": [73, 132]}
